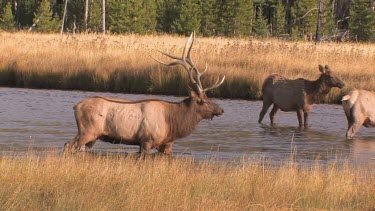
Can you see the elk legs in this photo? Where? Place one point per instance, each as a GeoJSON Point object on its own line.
{"type": "Point", "coordinates": [306, 117]}
{"type": "Point", "coordinates": [265, 107]}
{"type": "Point", "coordinates": [274, 110]}
{"type": "Point", "coordinates": [90, 144]}
{"type": "Point", "coordinates": [166, 148]}
{"type": "Point", "coordinates": [79, 141]}
{"type": "Point", "coordinates": [145, 147]}
{"type": "Point", "coordinates": [300, 117]}
{"type": "Point", "coordinates": [70, 145]}
{"type": "Point", "coordinates": [353, 127]}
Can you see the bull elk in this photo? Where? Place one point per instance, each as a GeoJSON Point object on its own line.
{"type": "Point", "coordinates": [296, 95]}
{"type": "Point", "coordinates": [359, 110]}
{"type": "Point", "coordinates": [150, 124]}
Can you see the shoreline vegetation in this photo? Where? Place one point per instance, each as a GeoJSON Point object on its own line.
{"type": "Point", "coordinates": [121, 63]}
{"type": "Point", "coordinates": [112, 182]}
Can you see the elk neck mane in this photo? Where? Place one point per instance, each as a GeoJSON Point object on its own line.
{"type": "Point", "coordinates": [316, 89]}
{"type": "Point", "coordinates": [182, 118]}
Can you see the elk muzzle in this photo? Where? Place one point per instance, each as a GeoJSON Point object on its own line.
{"type": "Point", "coordinates": [338, 83]}
{"type": "Point", "coordinates": [217, 111]}
{"type": "Point", "coordinates": [341, 84]}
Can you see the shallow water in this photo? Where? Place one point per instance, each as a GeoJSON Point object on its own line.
{"type": "Point", "coordinates": [43, 120]}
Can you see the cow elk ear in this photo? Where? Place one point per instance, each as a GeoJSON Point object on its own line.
{"type": "Point", "coordinates": [321, 69]}
{"type": "Point", "coordinates": [327, 68]}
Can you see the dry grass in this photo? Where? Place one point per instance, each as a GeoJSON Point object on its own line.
{"type": "Point", "coordinates": [88, 182]}
{"type": "Point", "coordinates": [121, 63]}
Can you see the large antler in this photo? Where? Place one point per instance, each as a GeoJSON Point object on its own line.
{"type": "Point", "coordinates": [189, 65]}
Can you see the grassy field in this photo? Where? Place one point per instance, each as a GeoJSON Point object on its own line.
{"type": "Point", "coordinates": [91, 182]}
{"type": "Point", "coordinates": [122, 63]}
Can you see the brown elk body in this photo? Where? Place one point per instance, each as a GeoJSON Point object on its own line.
{"type": "Point", "coordinates": [296, 95]}
{"type": "Point", "coordinates": [147, 123]}
{"type": "Point", "coordinates": [359, 108]}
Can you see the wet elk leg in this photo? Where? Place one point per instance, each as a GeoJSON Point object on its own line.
{"type": "Point", "coordinates": [266, 106]}
{"type": "Point", "coordinates": [300, 117]}
{"type": "Point", "coordinates": [273, 113]}
{"type": "Point", "coordinates": [166, 148]}
{"type": "Point", "coordinates": [306, 117]}
{"type": "Point", "coordinates": [353, 128]}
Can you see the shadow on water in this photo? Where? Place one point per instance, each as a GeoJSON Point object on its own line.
{"type": "Point", "coordinates": [43, 120]}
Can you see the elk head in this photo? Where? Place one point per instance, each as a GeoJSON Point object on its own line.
{"type": "Point", "coordinates": [329, 78]}
{"type": "Point", "coordinates": [198, 99]}
{"type": "Point", "coordinates": [204, 106]}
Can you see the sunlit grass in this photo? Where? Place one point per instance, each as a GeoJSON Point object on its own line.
{"type": "Point", "coordinates": [121, 63]}
{"type": "Point", "coordinates": [91, 182]}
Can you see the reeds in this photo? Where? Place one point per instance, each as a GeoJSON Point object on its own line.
{"type": "Point", "coordinates": [121, 63]}
{"type": "Point", "coordinates": [115, 182]}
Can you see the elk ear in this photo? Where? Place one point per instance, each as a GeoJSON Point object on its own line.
{"type": "Point", "coordinates": [193, 94]}
{"type": "Point", "coordinates": [327, 70]}
{"type": "Point", "coordinates": [321, 69]}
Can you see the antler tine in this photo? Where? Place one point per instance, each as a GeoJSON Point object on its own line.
{"type": "Point", "coordinates": [179, 60]}
{"type": "Point", "coordinates": [169, 55]}
{"type": "Point", "coordinates": [191, 46]}
{"type": "Point", "coordinates": [171, 63]}
{"type": "Point", "coordinates": [192, 37]}
{"type": "Point", "coordinates": [175, 57]}
{"type": "Point", "coordinates": [176, 63]}
{"type": "Point", "coordinates": [199, 74]}
{"type": "Point", "coordinates": [191, 63]}
{"type": "Point", "coordinates": [217, 83]}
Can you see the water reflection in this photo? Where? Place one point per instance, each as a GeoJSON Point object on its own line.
{"type": "Point", "coordinates": [362, 150]}
{"type": "Point", "coordinates": [43, 120]}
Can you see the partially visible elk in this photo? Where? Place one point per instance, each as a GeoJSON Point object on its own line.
{"type": "Point", "coordinates": [359, 107]}
{"type": "Point", "coordinates": [150, 124]}
{"type": "Point", "coordinates": [296, 95]}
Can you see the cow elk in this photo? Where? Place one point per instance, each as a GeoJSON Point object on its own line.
{"type": "Point", "coordinates": [359, 108]}
{"type": "Point", "coordinates": [296, 95]}
{"type": "Point", "coordinates": [150, 123]}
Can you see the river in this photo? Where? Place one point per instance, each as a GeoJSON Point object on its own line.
{"type": "Point", "coordinates": [43, 120]}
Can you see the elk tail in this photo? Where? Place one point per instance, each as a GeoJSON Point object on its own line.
{"type": "Point", "coordinates": [349, 100]}
{"type": "Point", "coordinates": [269, 81]}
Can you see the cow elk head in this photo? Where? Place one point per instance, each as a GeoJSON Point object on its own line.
{"type": "Point", "coordinates": [329, 77]}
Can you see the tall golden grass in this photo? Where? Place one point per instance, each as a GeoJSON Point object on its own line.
{"type": "Point", "coordinates": [90, 182]}
{"type": "Point", "coordinates": [121, 63]}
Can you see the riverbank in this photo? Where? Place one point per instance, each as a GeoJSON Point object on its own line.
{"type": "Point", "coordinates": [112, 182]}
{"type": "Point", "coordinates": [121, 63]}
